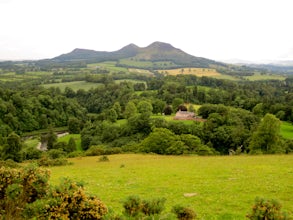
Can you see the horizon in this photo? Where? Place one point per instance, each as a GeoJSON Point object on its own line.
{"type": "Point", "coordinates": [226, 30]}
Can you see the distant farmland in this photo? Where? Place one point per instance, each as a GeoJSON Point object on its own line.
{"type": "Point", "coordinates": [192, 71]}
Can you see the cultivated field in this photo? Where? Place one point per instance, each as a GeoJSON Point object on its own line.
{"type": "Point", "coordinates": [192, 71]}
{"type": "Point", "coordinates": [222, 187]}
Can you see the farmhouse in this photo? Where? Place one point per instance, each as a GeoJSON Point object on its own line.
{"type": "Point", "coordinates": [184, 115]}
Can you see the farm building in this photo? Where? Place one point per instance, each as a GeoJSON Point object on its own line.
{"type": "Point", "coordinates": [184, 115]}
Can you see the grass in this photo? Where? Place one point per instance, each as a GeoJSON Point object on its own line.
{"type": "Point", "coordinates": [76, 85]}
{"type": "Point", "coordinates": [224, 187]}
{"type": "Point", "coordinates": [76, 137]}
{"type": "Point", "coordinates": [191, 71]}
{"type": "Point", "coordinates": [258, 76]}
{"type": "Point", "coordinates": [287, 130]}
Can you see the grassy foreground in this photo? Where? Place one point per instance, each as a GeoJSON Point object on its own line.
{"type": "Point", "coordinates": [221, 187]}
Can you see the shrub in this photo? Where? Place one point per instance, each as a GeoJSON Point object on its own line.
{"type": "Point", "coordinates": [264, 209]}
{"type": "Point", "coordinates": [95, 151]}
{"type": "Point", "coordinates": [26, 194]}
{"type": "Point", "coordinates": [48, 162]}
{"type": "Point", "coordinates": [75, 154]}
{"type": "Point", "coordinates": [154, 206]}
{"type": "Point", "coordinates": [9, 163]}
{"type": "Point", "coordinates": [183, 213]}
{"type": "Point", "coordinates": [132, 206]}
{"type": "Point", "coordinates": [67, 201]}
{"type": "Point", "coordinates": [56, 153]}
{"type": "Point", "coordinates": [19, 187]}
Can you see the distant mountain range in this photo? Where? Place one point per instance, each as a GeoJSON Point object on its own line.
{"type": "Point", "coordinates": [155, 52]}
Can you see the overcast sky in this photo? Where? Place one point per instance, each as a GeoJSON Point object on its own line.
{"type": "Point", "coordinates": [215, 29]}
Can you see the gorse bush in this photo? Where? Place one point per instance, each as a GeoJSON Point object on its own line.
{"type": "Point", "coordinates": [26, 194]}
{"type": "Point", "coordinates": [264, 209]}
{"type": "Point", "coordinates": [21, 186]}
{"type": "Point", "coordinates": [67, 201]}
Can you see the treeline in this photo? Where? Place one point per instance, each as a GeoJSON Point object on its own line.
{"type": "Point", "coordinates": [25, 110]}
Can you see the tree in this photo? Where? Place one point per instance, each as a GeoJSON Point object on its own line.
{"type": "Point", "coordinates": [74, 125]}
{"type": "Point", "coordinates": [12, 149]}
{"type": "Point", "coordinates": [71, 146]}
{"type": "Point", "coordinates": [266, 138]}
{"type": "Point", "coordinates": [111, 115]}
{"type": "Point", "coordinates": [130, 109]}
{"type": "Point", "coordinates": [51, 139]}
{"type": "Point", "coordinates": [159, 141]}
{"type": "Point", "coordinates": [176, 103]}
{"type": "Point", "coordinates": [145, 107]}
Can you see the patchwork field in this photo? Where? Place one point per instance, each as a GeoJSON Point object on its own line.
{"type": "Point", "coordinates": [192, 71]}
{"type": "Point", "coordinates": [215, 187]}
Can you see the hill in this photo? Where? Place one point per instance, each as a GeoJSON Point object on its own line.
{"type": "Point", "coordinates": [155, 52]}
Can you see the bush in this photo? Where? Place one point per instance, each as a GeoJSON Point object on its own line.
{"type": "Point", "coordinates": [48, 162]}
{"type": "Point", "coordinates": [26, 194]}
{"type": "Point", "coordinates": [152, 207]}
{"type": "Point", "coordinates": [95, 151]}
{"type": "Point", "coordinates": [9, 163]}
{"type": "Point", "coordinates": [132, 206]}
{"type": "Point", "coordinates": [75, 154]}
{"type": "Point", "coordinates": [264, 209]}
{"type": "Point", "coordinates": [183, 213]}
{"type": "Point", "coordinates": [67, 201]}
{"type": "Point", "coordinates": [56, 153]}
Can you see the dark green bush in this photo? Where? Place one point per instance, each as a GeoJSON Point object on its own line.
{"type": "Point", "coordinates": [154, 206]}
{"type": "Point", "coordinates": [183, 213]}
{"type": "Point", "coordinates": [48, 162]}
{"type": "Point", "coordinates": [132, 206]}
{"type": "Point", "coordinates": [265, 209]}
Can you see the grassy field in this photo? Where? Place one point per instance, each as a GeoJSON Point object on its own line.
{"type": "Point", "coordinates": [221, 187]}
{"type": "Point", "coordinates": [76, 85]}
{"type": "Point", "coordinates": [76, 137]}
{"type": "Point", "coordinates": [258, 76]}
{"type": "Point", "coordinates": [192, 71]}
{"type": "Point", "coordinates": [287, 130]}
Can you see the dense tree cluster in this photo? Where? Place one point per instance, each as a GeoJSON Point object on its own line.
{"type": "Point", "coordinates": [124, 114]}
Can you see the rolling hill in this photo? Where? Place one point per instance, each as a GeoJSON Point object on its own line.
{"type": "Point", "coordinates": [155, 52]}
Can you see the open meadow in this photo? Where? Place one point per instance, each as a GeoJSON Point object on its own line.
{"type": "Point", "coordinates": [222, 187]}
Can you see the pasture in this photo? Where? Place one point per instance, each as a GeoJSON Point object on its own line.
{"type": "Point", "coordinates": [191, 71]}
{"type": "Point", "coordinates": [75, 85]}
{"type": "Point", "coordinates": [287, 130]}
{"type": "Point", "coordinates": [222, 187]}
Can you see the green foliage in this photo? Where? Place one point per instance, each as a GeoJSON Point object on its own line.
{"type": "Point", "coordinates": [153, 206]}
{"type": "Point", "coordinates": [48, 162]}
{"type": "Point", "coordinates": [67, 201]}
{"type": "Point", "coordinates": [74, 125]}
{"type": "Point", "coordinates": [25, 194]}
{"type": "Point", "coordinates": [266, 138]}
{"type": "Point", "coordinates": [19, 187]}
{"type": "Point", "coordinates": [265, 209]}
{"type": "Point", "coordinates": [71, 146]}
{"type": "Point", "coordinates": [183, 213]}
{"type": "Point", "coordinates": [134, 206]}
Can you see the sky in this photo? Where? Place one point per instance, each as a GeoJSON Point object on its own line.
{"type": "Point", "coordinates": [252, 30]}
